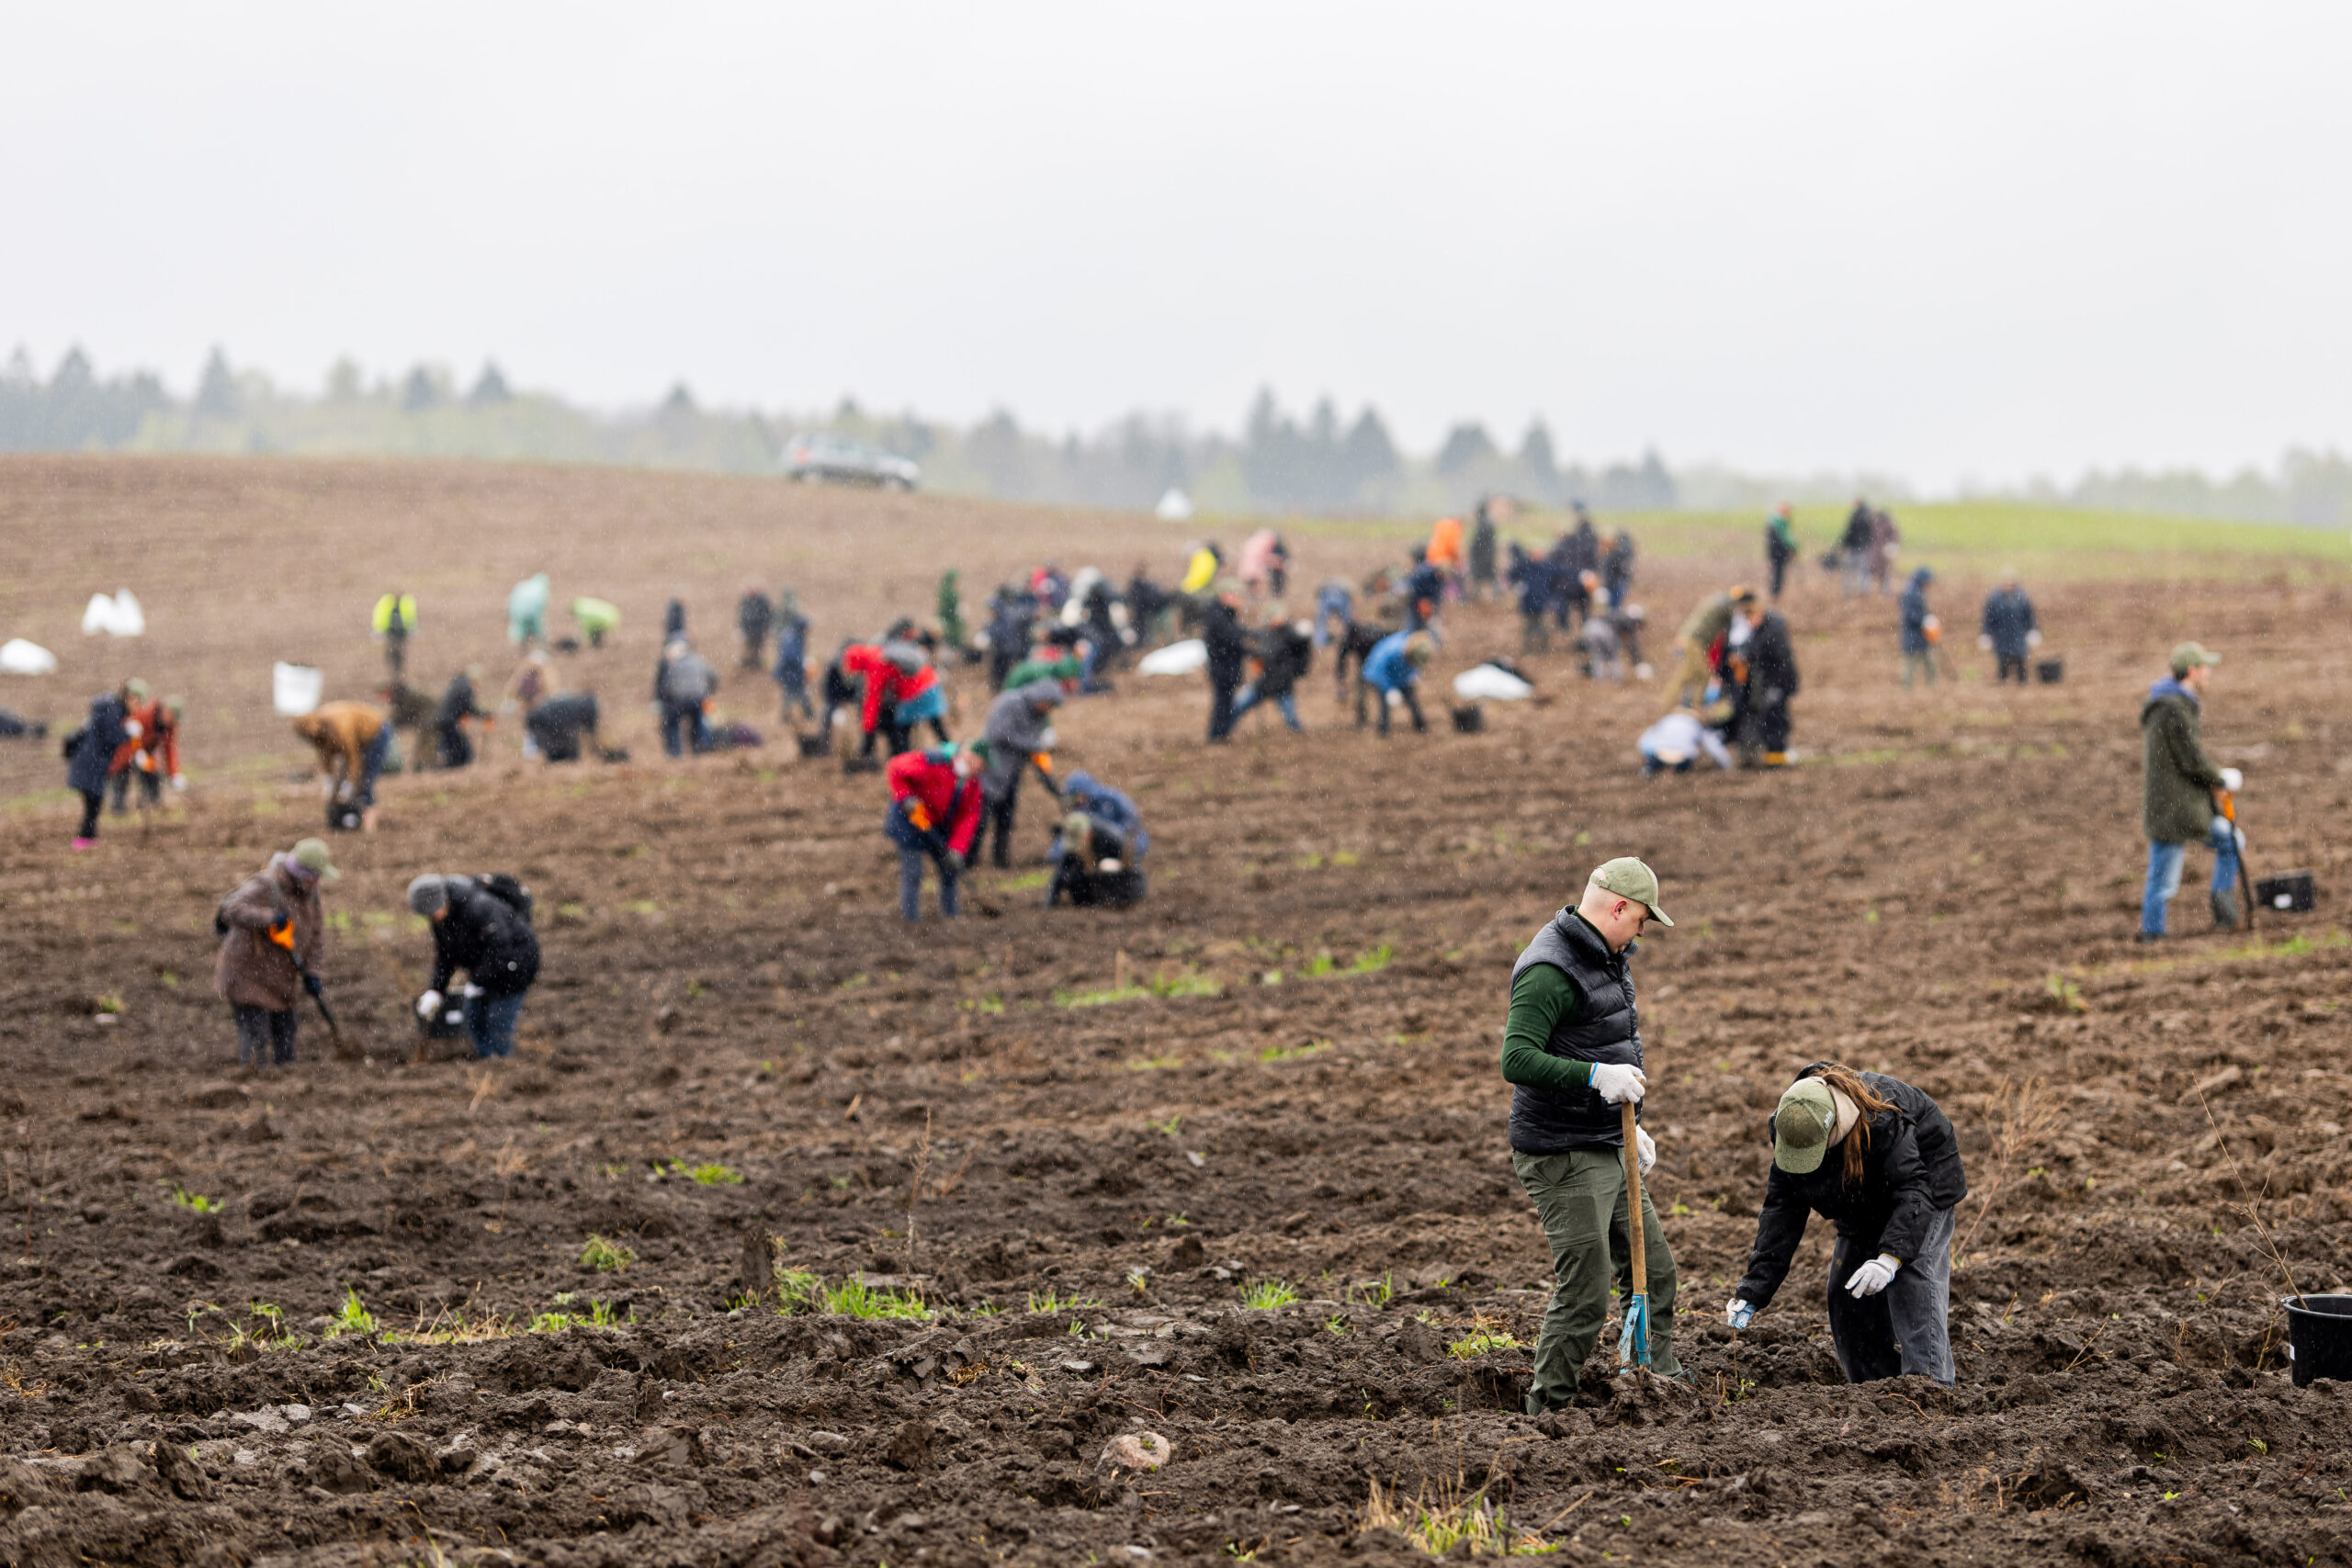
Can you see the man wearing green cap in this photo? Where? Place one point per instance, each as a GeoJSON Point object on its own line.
{"type": "Point", "coordinates": [273, 933]}
{"type": "Point", "coordinates": [2176, 794]}
{"type": "Point", "coordinates": [1572, 1048]}
{"type": "Point", "coordinates": [1877, 1159]}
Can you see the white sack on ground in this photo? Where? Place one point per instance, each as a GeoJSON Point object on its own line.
{"type": "Point", "coordinates": [1485, 681]}
{"type": "Point", "coordinates": [1187, 657]}
{"type": "Point", "coordinates": [18, 657]}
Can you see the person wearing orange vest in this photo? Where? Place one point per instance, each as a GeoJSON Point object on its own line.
{"type": "Point", "coordinates": [1445, 547]}
{"type": "Point", "coordinates": [152, 754]}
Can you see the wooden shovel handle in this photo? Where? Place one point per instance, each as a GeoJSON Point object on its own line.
{"type": "Point", "coordinates": [1634, 1198]}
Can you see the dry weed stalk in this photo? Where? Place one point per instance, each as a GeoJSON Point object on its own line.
{"type": "Point", "coordinates": [914, 1190]}
{"type": "Point", "coordinates": [2021, 1118]}
{"type": "Point", "coordinates": [2249, 1201]}
{"type": "Point", "coordinates": [483, 1081]}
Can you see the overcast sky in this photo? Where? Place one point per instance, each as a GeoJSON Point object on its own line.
{"type": "Point", "coordinates": [1986, 241]}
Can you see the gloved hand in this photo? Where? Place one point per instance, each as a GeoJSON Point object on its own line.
{"type": "Point", "coordinates": [313, 983]}
{"type": "Point", "coordinates": [1046, 742]}
{"type": "Point", "coordinates": [1872, 1277]}
{"type": "Point", "coordinates": [1739, 1314]}
{"type": "Point", "coordinates": [1617, 1083]}
{"type": "Point", "coordinates": [2233, 780]}
{"type": "Point", "coordinates": [1985, 641]}
{"type": "Point", "coordinates": [133, 728]}
{"type": "Point", "coordinates": [428, 1005]}
{"type": "Point", "coordinates": [918, 816]}
{"type": "Point", "coordinates": [1774, 696]}
{"type": "Point", "coordinates": [343, 792]}
{"type": "Point", "coordinates": [281, 931]}
{"type": "Point", "coordinates": [179, 781]}
{"type": "Point", "coordinates": [1648, 1146]}
{"type": "Point", "coordinates": [2033, 638]}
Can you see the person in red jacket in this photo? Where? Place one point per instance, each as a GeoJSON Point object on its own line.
{"type": "Point", "coordinates": [896, 671]}
{"type": "Point", "coordinates": [935, 812]}
{"type": "Point", "coordinates": [151, 753]}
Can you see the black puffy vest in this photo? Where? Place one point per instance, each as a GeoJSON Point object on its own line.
{"type": "Point", "coordinates": [1607, 1028]}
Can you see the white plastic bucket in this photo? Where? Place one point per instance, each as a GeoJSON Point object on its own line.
{"type": "Point", "coordinates": [295, 689]}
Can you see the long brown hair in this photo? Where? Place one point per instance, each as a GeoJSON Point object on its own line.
{"type": "Point", "coordinates": [1868, 1102]}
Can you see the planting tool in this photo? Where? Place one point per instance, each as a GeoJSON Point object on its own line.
{"type": "Point", "coordinates": [1633, 1340]}
{"type": "Point", "coordinates": [2237, 847]}
{"type": "Point", "coordinates": [317, 987]}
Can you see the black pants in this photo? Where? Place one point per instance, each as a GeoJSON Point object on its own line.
{"type": "Point", "coordinates": [91, 800]}
{"type": "Point", "coordinates": [151, 786]}
{"type": "Point", "coordinates": [1764, 731]}
{"type": "Point", "coordinates": [1412, 705]}
{"type": "Point", "coordinates": [1780, 573]}
{"type": "Point", "coordinates": [265, 1037]}
{"type": "Point", "coordinates": [2011, 662]}
{"type": "Point", "coordinates": [999, 820]}
{"type": "Point", "coordinates": [452, 748]}
{"type": "Point", "coordinates": [1221, 708]}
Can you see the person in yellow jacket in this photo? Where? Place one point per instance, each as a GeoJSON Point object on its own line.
{"type": "Point", "coordinates": [395, 617]}
{"type": "Point", "coordinates": [1202, 568]}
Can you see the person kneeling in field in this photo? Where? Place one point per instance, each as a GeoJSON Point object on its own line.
{"type": "Point", "coordinates": [1098, 852]}
{"type": "Point", "coordinates": [482, 927]}
{"type": "Point", "coordinates": [1878, 1159]}
{"type": "Point", "coordinates": [1677, 741]}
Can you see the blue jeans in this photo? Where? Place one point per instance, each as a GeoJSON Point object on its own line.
{"type": "Point", "coordinates": [2164, 874]}
{"type": "Point", "coordinates": [1286, 703]}
{"type": "Point", "coordinates": [491, 1021]}
{"type": "Point", "coordinates": [1330, 604]}
{"type": "Point", "coordinates": [910, 862]}
{"type": "Point", "coordinates": [371, 765]}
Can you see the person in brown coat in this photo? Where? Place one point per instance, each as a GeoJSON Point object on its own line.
{"type": "Point", "coordinates": [352, 740]}
{"type": "Point", "coordinates": [273, 933]}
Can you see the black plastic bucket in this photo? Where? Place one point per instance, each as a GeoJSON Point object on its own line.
{"type": "Point", "coordinates": [2318, 1337]}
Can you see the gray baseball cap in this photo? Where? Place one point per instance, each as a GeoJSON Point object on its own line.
{"type": "Point", "coordinates": [1629, 878]}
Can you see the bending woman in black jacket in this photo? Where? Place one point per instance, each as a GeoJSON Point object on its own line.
{"type": "Point", "coordinates": [487, 934]}
{"type": "Point", "coordinates": [1877, 1160]}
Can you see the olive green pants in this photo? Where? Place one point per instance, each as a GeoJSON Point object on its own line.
{"type": "Point", "coordinates": [1581, 1202]}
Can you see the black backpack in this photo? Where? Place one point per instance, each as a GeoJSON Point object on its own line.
{"type": "Point", "coordinates": [509, 892]}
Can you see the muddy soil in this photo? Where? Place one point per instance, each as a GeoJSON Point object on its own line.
{"type": "Point", "coordinates": [1083, 1137]}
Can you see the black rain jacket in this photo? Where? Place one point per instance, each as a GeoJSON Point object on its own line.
{"type": "Point", "coordinates": [1910, 1172]}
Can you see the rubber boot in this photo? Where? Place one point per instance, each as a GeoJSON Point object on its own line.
{"type": "Point", "coordinates": [2225, 912]}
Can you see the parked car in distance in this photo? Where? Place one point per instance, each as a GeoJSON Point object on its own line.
{"type": "Point", "coordinates": [815, 456]}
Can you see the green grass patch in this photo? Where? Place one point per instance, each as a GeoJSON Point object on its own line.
{"type": "Point", "coordinates": [352, 1317]}
{"type": "Point", "coordinates": [1294, 1053]}
{"type": "Point", "coordinates": [1052, 1306]}
{"type": "Point", "coordinates": [710, 1175]}
{"type": "Point", "coordinates": [1180, 986]}
{"type": "Point", "coordinates": [196, 1202]}
{"type": "Point", "coordinates": [1264, 1295]}
{"type": "Point", "coordinates": [1478, 1341]}
{"type": "Point", "coordinates": [600, 1314]}
{"type": "Point", "coordinates": [605, 1257]}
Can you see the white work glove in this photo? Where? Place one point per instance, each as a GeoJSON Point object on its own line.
{"type": "Point", "coordinates": [2233, 780]}
{"type": "Point", "coordinates": [2033, 638]}
{"type": "Point", "coordinates": [1045, 741]}
{"type": "Point", "coordinates": [133, 728]}
{"type": "Point", "coordinates": [1872, 1277]}
{"type": "Point", "coordinates": [1648, 1145]}
{"type": "Point", "coordinates": [1985, 641]}
{"type": "Point", "coordinates": [179, 781]}
{"type": "Point", "coordinates": [2229, 832]}
{"type": "Point", "coordinates": [1739, 1314]}
{"type": "Point", "coordinates": [1617, 1083]}
{"type": "Point", "coordinates": [428, 1005]}
{"type": "Point", "coordinates": [342, 791]}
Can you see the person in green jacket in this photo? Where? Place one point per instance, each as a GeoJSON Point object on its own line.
{"type": "Point", "coordinates": [597, 619]}
{"type": "Point", "coordinates": [1043, 664]}
{"type": "Point", "coordinates": [2177, 794]}
{"type": "Point", "coordinates": [1572, 1050]}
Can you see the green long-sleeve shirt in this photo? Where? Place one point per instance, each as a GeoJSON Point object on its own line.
{"type": "Point", "coordinates": [1540, 997]}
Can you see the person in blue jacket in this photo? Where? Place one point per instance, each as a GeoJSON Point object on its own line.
{"type": "Point", "coordinates": [1392, 669]}
{"type": "Point", "coordinates": [1097, 852]}
{"type": "Point", "coordinates": [2008, 631]}
{"type": "Point", "coordinates": [90, 752]}
{"type": "Point", "coordinates": [1919, 628]}
{"type": "Point", "coordinates": [1531, 575]}
{"type": "Point", "coordinates": [792, 655]}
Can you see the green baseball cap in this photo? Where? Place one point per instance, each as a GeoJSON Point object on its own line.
{"type": "Point", "coordinates": [2189, 655]}
{"type": "Point", "coordinates": [1629, 878]}
{"type": "Point", "coordinates": [1801, 1126]}
{"type": "Point", "coordinates": [311, 854]}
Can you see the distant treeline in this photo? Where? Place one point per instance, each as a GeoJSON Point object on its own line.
{"type": "Point", "coordinates": [1279, 464]}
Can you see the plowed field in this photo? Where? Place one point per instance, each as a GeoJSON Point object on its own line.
{"type": "Point", "coordinates": [1082, 1137]}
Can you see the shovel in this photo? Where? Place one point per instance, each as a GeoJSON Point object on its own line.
{"type": "Point", "coordinates": [2245, 875]}
{"type": "Point", "coordinates": [343, 1048]}
{"type": "Point", "coordinates": [1633, 1339]}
